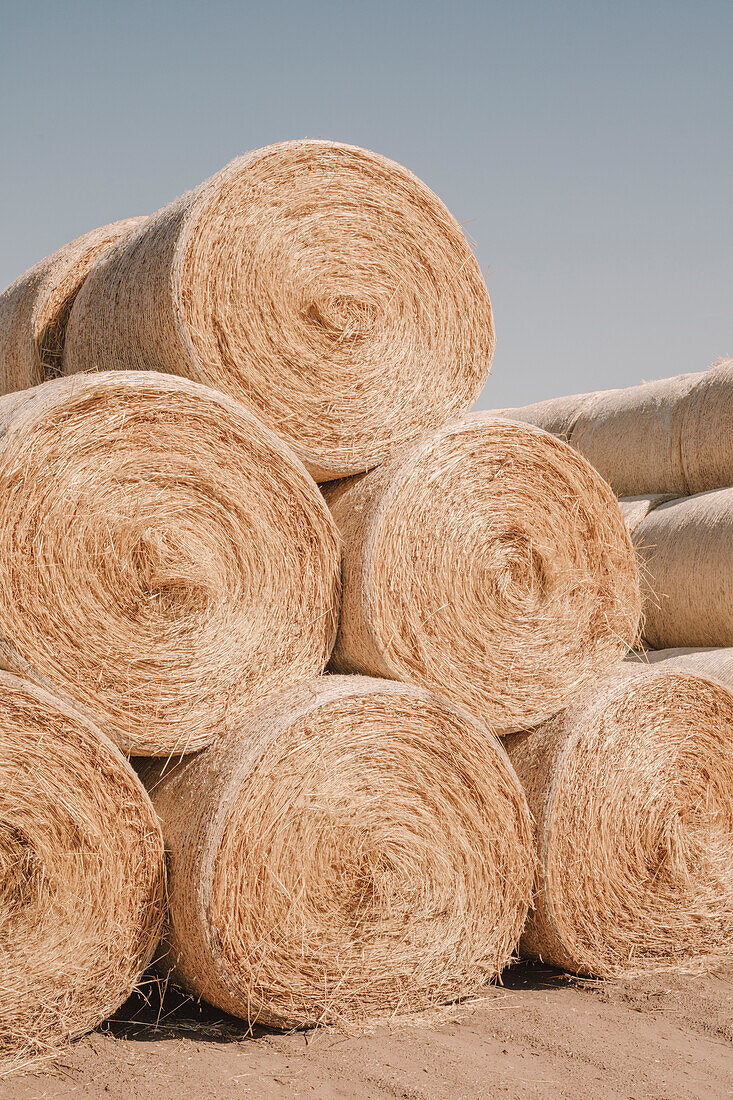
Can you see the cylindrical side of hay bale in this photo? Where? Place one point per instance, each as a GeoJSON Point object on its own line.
{"type": "Point", "coordinates": [706, 434]}
{"type": "Point", "coordinates": [361, 848]}
{"type": "Point", "coordinates": [687, 584]}
{"type": "Point", "coordinates": [166, 560]}
{"type": "Point", "coordinates": [322, 285]}
{"type": "Point", "coordinates": [557, 415]}
{"type": "Point", "coordinates": [34, 310]}
{"type": "Point", "coordinates": [81, 853]}
{"type": "Point", "coordinates": [635, 509]}
{"type": "Point", "coordinates": [632, 436]}
{"type": "Point", "coordinates": [631, 794]}
{"type": "Point", "coordinates": [711, 661]}
{"type": "Point", "coordinates": [488, 562]}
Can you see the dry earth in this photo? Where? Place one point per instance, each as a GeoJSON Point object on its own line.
{"type": "Point", "coordinates": [542, 1035]}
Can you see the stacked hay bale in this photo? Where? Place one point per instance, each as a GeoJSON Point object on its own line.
{"type": "Point", "coordinates": [665, 448]}
{"type": "Point", "coordinates": [81, 853]}
{"type": "Point", "coordinates": [343, 846]}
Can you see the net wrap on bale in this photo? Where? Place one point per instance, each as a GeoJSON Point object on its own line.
{"type": "Point", "coordinates": [488, 562]}
{"type": "Point", "coordinates": [631, 793]}
{"type": "Point", "coordinates": [323, 285]}
{"type": "Point", "coordinates": [687, 584]}
{"type": "Point", "coordinates": [167, 561]}
{"type": "Point", "coordinates": [361, 848]}
{"type": "Point", "coordinates": [81, 855]}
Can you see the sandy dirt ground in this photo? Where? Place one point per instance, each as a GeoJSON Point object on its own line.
{"type": "Point", "coordinates": [542, 1035]}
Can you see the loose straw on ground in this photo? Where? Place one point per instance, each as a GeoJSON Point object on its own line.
{"type": "Point", "coordinates": [488, 562]}
{"type": "Point", "coordinates": [360, 849]}
{"type": "Point", "coordinates": [166, 560]}
{"type": "Point", "coordinates": [81, 855]}
{"type": "Point", "coordinates": [34, 310]}
{"type": "Point", "coordinates": [631, 793]}
{"type": "Point", "coordinates": [687, 587]}
{"type": "Point", "coordinates": [322, 285]}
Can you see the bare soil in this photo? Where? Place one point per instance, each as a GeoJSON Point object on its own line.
{"type": "Point", "coordinates": [541, 1035]}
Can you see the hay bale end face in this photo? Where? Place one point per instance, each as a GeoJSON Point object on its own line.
{"type": "Point", "coordinates": [488, 562]}
{"type": "Point", "coordinates": [167, 561]}
{"type": "Point", "coordinates": [81, 854]}
{"type": "Point", "coordinates": [34, 310]}
{"type": "Point", "coordinates": [322, 285]}
{"type": "Point", "coordinates": [631, 793]}
{"type": "Point", "coordinates": [361, 848]}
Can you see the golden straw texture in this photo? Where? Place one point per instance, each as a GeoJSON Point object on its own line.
{"type": "Point", "coordinates": [81, 855]}
{"type": "Point", "coordinates": [684, 550]}
{"type": "Point", "coordinates": [360, 849]}
{"type": "Point", "coordinates": [322, 285]}
{"type": "Point", "coordinates": [34, 310]}
{"type": "Point", "coordinates": [166, 560]}
{"type": "Point", "coordinates": [490, 563]}
{"type": "Point", "coordinates": [631, 793]}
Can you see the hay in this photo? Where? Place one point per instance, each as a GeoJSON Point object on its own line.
{"type": "Point", "coordinates": [360, 849]}
{"type": "Point", "coordinates": [488, 562]}
{"type": "Point", "coordinates": [34, 310]}
{"type": "Point", "coordinates": [632, 436]}
{"type": "Point", "coordinates": [166, 560]}
{"type": "Point", "coordinates": [631, 793]}
{"type": "Point", "coordinates": [715, 663]}
{"type": "Point", "coordinates": [635, 509]}
{"type": "Point", "coordinates": [557, 415]}
{"type": "Point", "coordinates": [705, 432]}
{"type": "Point", "coordinates": [81, 854]}
{"type": "Point", "coordinates": [687, 585]}
{"type": "Point", "coordinates": [322, 285]}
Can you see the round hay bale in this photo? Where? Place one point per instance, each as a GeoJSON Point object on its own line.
{"type": "Point", "coordinates": [635, 509]}
{"type": "Point", "coordinates": [631, 793]}
{"type": "Point", "coordinates": [557, 415]}
{"type": "Point", "coordinates": [715, 663]}
{"type": "Point", "coordinates": [81, 854]}
{"type": "Point", "coordinates": [359, 849]}
{"type": "Point", "coordinates": [687, 585]}
{"type": "Point", "coordinates": [322, 285]}
{"type": "Point", "coordinates": [632, 436]}
{"type": "Point", "coordinates": [706, 413]}
{"type": "Point", "coordinates": [488, 562]}
{"type": "Point", "coordinates": [34, 310]}
{"type": "Point", "coordinates": [166, 560]}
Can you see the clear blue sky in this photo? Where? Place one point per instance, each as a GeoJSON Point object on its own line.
{"type": "Point", "coordinates": [587, 146]}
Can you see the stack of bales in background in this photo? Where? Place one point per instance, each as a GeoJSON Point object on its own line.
{"type": "Point", "coordinates": [344, 846]}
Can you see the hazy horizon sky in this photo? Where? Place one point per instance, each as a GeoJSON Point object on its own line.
{"type": "Point", "coordinates": [586, 147]}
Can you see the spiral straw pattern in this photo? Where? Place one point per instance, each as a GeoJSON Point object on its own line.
{"type": "Point", "coordinates": [81, 856]}
{"type": "Point", "coordinates": [488, 562]}
{"type": "Point", "coordinates": [322, 285]}
{"type": "Point", "coordinates": [631, 793]}
{"type": "Point", "coordinates": [167, 561]}
{"type": "Point", "coordinates": [359, 849]}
